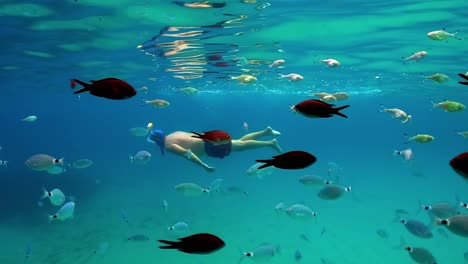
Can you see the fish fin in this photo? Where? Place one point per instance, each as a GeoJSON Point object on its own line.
{"type": "Point", "coordinates": [401, 245]}
{"type": "Point", "coordinates": [464, 83]}
{"type": "Point", "coordinates": [463, 76]}
{"type": "Point", "coordinates": [86, 87]}
{"type": "Point", "coordinates": [268, 163]}
{"type": "Point", "coordinates": [420, 207]}
{"type": "Point", "coordinates": [82, 90]}
{"type": "Point", "coordinates": [170, 244]}
{"type": "Point", "coordinates": [341, 108]}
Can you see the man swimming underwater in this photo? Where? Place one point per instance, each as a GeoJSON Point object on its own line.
{"type": "Point", "coordinates": [183, 144]}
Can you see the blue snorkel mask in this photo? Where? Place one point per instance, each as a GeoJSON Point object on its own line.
{"type": "Point", "coordinates": [157, 137]}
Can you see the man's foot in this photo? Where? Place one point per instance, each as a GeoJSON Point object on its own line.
{"type": "Point", "coordinates": [276, 146]}
{"type": "Point", "coordinates": [209, 168]}
{"type": "Point", "coordinates": [270, 131]}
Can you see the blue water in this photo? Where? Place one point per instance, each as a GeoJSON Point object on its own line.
{"type": "Point", "coordinates": [98, 129]}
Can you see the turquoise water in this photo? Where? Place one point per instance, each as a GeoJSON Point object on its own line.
{"type": "Point", "coordinates": [47, 43]}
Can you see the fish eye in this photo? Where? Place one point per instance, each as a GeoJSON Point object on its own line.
{"type": "Point", "coordinates": [55, 216]}
{"type": "Point", "coordinates": [248, 254]}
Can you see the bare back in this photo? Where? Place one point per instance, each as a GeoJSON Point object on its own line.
{"type": "Point", "coordinates": [186, 141]}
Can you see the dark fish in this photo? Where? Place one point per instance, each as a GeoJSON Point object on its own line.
{"type": "Point", "coordinates": [214, 57]}
{"type": "Point", "coordinates": [318, 109]}
{"type": "Point", "coordinates": [325, 261]}
{"type": "Point", "coordinates": [304, 237]}
{"type": "Point", "coordinates": [460, 164]}
{"type": "Point", "coordinates": [382, 233]}
{"type": "Point", "coordinates": [110, 88]}
{"type": "Point", "coordinates": [401, 212]}
{"type": "Point", "coordinates": [202, 243]}
{"type": "Point", "coordinates": [297, 255]}
{"type": "Point", "coordinates": [421, 255]}
{"type": "Point", "coordinates": [290, 160]}
{"type": "Point", "coordinates": [464, 77]}
{"type": "Point", "coordinates": [217, 137]}
{"type": "Point", "coordinates": [235, 189]}
{"type": "Point", "coordinates": [417, 228]}
{"type": "Point", "coordinates": [138, 238]}
{"type": "Point", "coordinates": [124, 215]}
{"type": "Point", "coordinates": [323, 231]}
{"type": "Point", "coordinates": [28, 252]}
{"type": "Point", "coordinates": [222, 64]}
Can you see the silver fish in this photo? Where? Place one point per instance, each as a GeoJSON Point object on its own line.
{"type": "Point", "coordinates": [332, 192]}
{"type": "Point", "coordinates": [457, 224]}
{"type": "Point", "coordinates": [440, 210]}
{"type": "Point", "coordinates": [417, 228]}
{"type": "Point", "coordinates": [262, 253]}
{"type": "Point", "coordinates": [313, 180]}
{"type": "Point", "coordinates": [421, 255]}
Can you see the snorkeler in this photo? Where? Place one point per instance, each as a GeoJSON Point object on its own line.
{"type": "Point", "coordinates": [183, 144]}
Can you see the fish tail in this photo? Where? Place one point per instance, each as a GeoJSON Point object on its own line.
{"type": "Point", "coordinates": [382, 108]}
{"type": "Point", "coordinates": [86, 87]}
{"type": "Point", "coordinates": [242, 255]}
{"type": "Point", "coordinates": [268, 163]}
{"type": "Point", "coordinates": [281, 76]}
{"type": "Point", "coordinates": [143, 102]}
{"type": "Point", "coordinates": [170, 244]}
{"type": "Point", "coordinates": [46, 193]}
{"type": "Point", "coordinates": [337, 111]}
{"type": "Point", "coordinates": [463, 76]}
{"type": "Point", "coordinates": [292, 109]}
{"type": "Point", "coordinates": [408, 139]}
{"type": "Point", "coordinates": [51, 218]}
